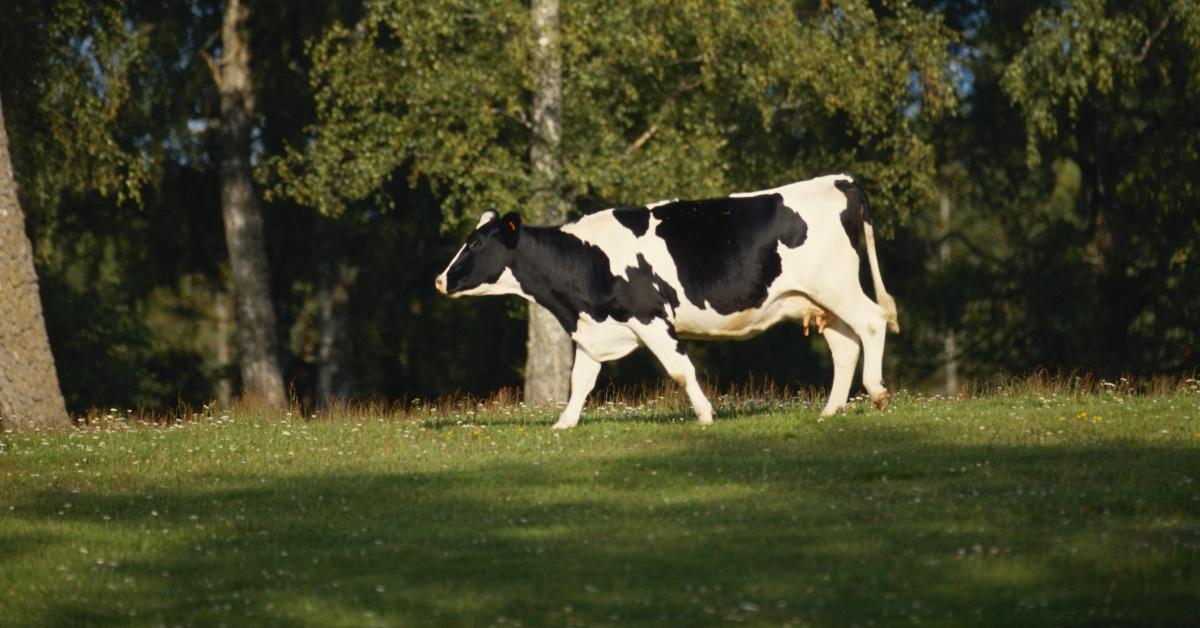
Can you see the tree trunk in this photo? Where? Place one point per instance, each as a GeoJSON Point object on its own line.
{"type": "Point", "coordinates": [550, 352]}
{"type": "Point", "coordinates": [336, 348]}
{"type": "Point", "coordinates": [29, 393]}
{"type": "Point", "coordinates": [224, 386]}
{"type": "Point", "coordinates": [257, 344]}
{"type": "Point", "coordinates": [949, 350]}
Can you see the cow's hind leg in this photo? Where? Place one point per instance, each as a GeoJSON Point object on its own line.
{"type": "Point", "coordinates": [583, 378]}
{"type": "Point", "coordinates": [659, 337]}
{"type": "Point", "coordinates": [866, 319]}
{"type": "Point", "coordinates": [843, 345]}
{"type": "Point", "coordinates": [871, 326]}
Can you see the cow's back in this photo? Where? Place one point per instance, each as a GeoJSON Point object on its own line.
{"type": "Point", "coordinates": [735, 264]}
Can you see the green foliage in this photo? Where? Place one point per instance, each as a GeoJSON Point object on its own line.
{"type": "Point", "coordinates": [660, 100]}
{"type": "Point", "coordinates": [1071, 242]}
{"type": "Point", "coordinates": [69, 72]}
{"type": "Point", "coordinates": [400, 88]}
{"type": "Point", "coordinates": [1109, 88]}
{"type": "Point", "coordinates": [1064, 134]}
{"type": "Point", "coordinates": [1033, 507]}
{"type": "Point", "coordinates": [1082, 52]}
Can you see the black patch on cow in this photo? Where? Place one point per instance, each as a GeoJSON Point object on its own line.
{"type": "Point", "coordinates": [635, 219]}
{"type": "Point", "coordinates": [725, 249]}
{"type": "Point", "coordinates": [675, 336]}
{"type": "Point", "coordinates": [645, 270]}
{"type": "Point", "coordinates": [569, 276]}
{"type": "Point", "coordinates": [857, 209]}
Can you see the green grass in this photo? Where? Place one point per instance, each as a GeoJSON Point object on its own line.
{"type": "Point", "coordinates": [1014, 509]}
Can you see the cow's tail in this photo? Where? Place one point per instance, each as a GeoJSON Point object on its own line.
{"type": "Point", "coordinates": [853, 192]}
{"type": "Point", "coordinates": [882, 297]}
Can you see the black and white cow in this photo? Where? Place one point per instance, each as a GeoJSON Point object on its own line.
{"type": "Point", "coordinates": [719, 268]}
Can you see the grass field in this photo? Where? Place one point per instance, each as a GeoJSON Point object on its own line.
{"type": "Point", "coordinates": [1017, 508]}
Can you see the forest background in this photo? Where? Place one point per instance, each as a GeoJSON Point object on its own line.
{"type": "Point", "coordinates": [1034, 166]}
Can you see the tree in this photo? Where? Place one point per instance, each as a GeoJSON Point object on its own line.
{"type": "Point", "coordinates": [1106, 93]}
{"type": "Point", "coordinates": [113, 101]}
{"type": "Point", "coordinates": [66, 82]}
{"type": "Point", "coordinates": [336, 277]}
{"type": "Point", "coordinates": [1068, 168]}
{"type": "Point", "coordinates": [659, 100]}
{"type": "Point", "coordinates": [257, 343]}
{"type": "Point", "coordinates": [549, 354]}
{"type": "Point", "coordinates": [29, 392]}
{"type": "Point", "coordinates": [1068, 172]}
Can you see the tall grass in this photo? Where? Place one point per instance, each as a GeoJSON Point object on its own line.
{"type": "Point", "coordinates": [650, 399]}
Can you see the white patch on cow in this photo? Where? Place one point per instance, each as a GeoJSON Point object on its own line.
{"type": "Point", "coordinates": [657, 337]}
{"type": "Point", "coordinates": [440, 282]}
{"type": "Point", "coordinates": [812, 189]}
{"type": "Point", "coordinates": [604, 340]}
{"type": "Point", "coordinates": [710, 325]}
{"type": "Point", "coordinates": [583, 379]}
{"type": "Point", "coordinates": [605, 232]}
{"type": "Point", "coordinates": [487, 217]}
{"type": "Point", "coordinates": [505, 284]}
{"type": "Point", "coordinates": [843, 346]}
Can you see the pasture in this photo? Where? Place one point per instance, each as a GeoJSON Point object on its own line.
{"type": "Point", "coordinates": [1022, 507]}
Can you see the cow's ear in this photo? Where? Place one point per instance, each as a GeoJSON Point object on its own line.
{"type": "Point", "coordinates": [510, 228]}
{"type": "Point", "coordinates": [489, 215]}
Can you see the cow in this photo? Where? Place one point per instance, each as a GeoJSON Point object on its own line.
{"type": "Point", "coordinates": [717, 268]}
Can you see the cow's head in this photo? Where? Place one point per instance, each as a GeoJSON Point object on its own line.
{"type": "Point", "coordinates": [484, 264]}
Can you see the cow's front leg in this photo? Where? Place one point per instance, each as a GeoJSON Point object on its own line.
{"type": "Point", "coordinates": [659, 337]}
{"type": "Point", "coordinates": [583, 378]}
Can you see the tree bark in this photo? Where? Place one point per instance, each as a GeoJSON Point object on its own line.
{"type": "Point", "coordinates": [30, 396]}
{"type": "Point", "coordinates": [335, 350]}
{"type": "Point", "coordinates": [949, 350]}
{"type": "Point", "coordinates": [224, 385]}
{"type": "Point", "coordinates": [550, 351]}
{"type": "Point", "coordinates": [257, 343]}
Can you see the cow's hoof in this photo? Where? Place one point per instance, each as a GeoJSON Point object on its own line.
{"type": "Point", "coordinates": [882, 400]}
{"type": "Point", "coordinates": [562, 426]}
{"type": "Point", "coordinates": [830, 411]}
{"type": "Point", "coordinates": [706, 420]}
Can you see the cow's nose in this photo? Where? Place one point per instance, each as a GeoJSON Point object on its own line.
{"type": "Point", "coordinates": [440, 284]}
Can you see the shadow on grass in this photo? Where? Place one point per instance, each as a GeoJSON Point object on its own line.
{"type": "Point", "coordinates": [879, 528]}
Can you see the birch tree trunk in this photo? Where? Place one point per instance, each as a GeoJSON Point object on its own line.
{"type": "Point", "coordinates": [30, 396]}
{"type": "Point", "coordinates": [550, 352]}
{"type": "Point", "coordinates": [257, 344]}
{"type": "Point", "coordinates": [949, 351]}
{"type": "Point", "coordinates": [223, 314]}
{"type": "Point", "coordinates": [335, 279]}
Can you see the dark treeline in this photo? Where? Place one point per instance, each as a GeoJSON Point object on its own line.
{"type": "Point", "coordinates": [1035, 167]}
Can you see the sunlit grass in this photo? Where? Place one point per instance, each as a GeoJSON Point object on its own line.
{"type": "Point", "coordinates": [1060, 504]}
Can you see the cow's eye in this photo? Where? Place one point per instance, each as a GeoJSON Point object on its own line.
{"type": "Point", "coordinates": [474, 244]}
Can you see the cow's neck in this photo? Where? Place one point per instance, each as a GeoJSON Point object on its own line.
{"type": "Point", "coordinates": [552, 267]}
